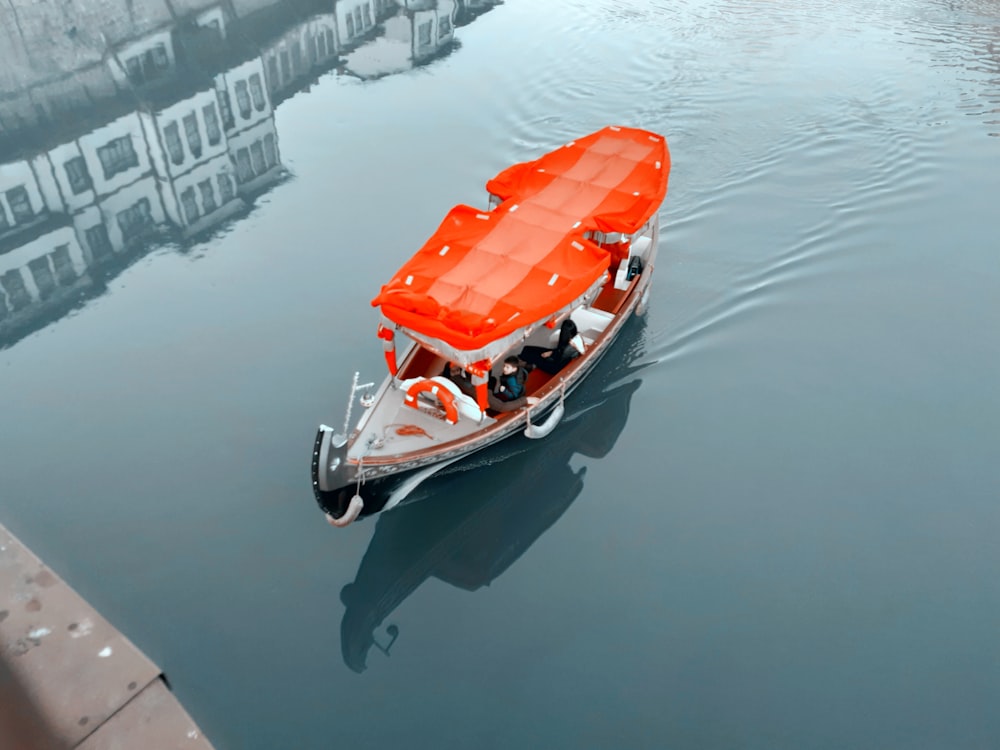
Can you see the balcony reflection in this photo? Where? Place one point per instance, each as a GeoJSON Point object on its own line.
{"type": "Point", "coordinates": [155, 122]}
{"type": "Point", "coordinates": [468, 527]}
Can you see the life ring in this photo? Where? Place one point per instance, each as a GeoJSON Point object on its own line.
{"type": "Point", "coordinates": [436, 389]}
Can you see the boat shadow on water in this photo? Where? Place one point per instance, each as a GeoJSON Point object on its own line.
{"type": "Point", "coordinates": [468, 525]}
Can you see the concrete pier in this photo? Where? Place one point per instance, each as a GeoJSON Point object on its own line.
{"type": "Point", "coordinates": [68, 678]}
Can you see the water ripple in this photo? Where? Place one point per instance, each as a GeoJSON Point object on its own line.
{"type": "Point", "coordinates": [965, 36]}
{"type": "Point", "coordinates": [818, 188]}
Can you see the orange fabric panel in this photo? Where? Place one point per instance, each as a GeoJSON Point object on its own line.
{"type": "Point", "coordinates": [482, 274]}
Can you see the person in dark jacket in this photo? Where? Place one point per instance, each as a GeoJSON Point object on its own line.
{"type": "Point", "coordinates": [510, 384]}
{"type": "Point", "coordinates": [569, 347]}
{"type": "Point", "coordinates": [460, 377]}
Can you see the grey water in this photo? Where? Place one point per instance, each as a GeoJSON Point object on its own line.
{"type": "Point", "coordinates": [770, 519]}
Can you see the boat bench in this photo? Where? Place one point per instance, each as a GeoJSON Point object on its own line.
{"type": "Point", "coordinates": [591, 323]}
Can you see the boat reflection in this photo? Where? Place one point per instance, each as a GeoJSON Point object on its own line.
{"type": "Point", "coordinates": [468, 526]}
{"type": "Point", "coordinates": [131, 130]}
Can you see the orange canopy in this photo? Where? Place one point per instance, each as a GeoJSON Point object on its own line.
{"type": "Point", "coordinates": [482, 275]}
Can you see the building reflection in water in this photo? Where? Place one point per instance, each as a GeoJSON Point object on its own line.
{"type": "Point", "coordinates": [414, 34]}
{"type": "Point", "coordinates": [154, 121]}
{"type": "Point", "coordinates": [468, 527]}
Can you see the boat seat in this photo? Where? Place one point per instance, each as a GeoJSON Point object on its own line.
{"type": "Point", "coordinates": [641, 246]}
{"type": "Point", "coordinates": [591, 323]}
{"type": "Point", "coordinates": [640, 249]}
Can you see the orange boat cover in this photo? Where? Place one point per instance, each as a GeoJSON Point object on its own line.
{"type": "Point", "coordinates": [482, 274]}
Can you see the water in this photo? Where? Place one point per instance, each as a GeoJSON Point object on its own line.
{"type": "Point", "coordinates": [773, 521]}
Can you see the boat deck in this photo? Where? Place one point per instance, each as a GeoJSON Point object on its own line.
{"type": "Point", "coordinates": [390, 432]}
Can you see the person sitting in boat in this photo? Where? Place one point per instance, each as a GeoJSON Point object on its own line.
{"type": "Point", "coordinates": [569, 347]}
{"type": "Point", "coordinates": [510, 384]}
{"type": "Point", "coordinates": [460, 377]}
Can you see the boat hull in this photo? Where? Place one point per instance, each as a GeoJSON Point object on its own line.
{"type": "Point", "coordinates": [336, 481]}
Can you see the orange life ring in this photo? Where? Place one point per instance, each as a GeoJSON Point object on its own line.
{"type": "Point", "coordinates": [443, 395]}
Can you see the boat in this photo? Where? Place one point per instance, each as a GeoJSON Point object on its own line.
{"type": "Point", "coordinates": [467, 525]}
{"type": "Point", "coordinates": [547, 274]}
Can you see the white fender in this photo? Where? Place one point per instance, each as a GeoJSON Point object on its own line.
{"type": "Point", "coordinates": [535, 431]}
{"type": "Point", "coordinates": [350, 515]}
{"type": "Point", "coordinates": [643, 305]}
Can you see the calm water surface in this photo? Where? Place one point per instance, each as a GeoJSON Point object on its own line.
{"type": "Point", "coordinates": [772, 521]}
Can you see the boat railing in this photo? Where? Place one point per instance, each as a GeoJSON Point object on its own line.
{"type": "Point", "coordinates": [340, 438]}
